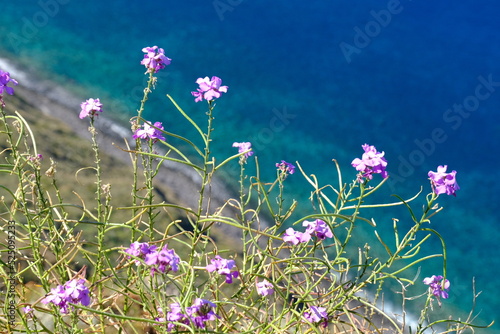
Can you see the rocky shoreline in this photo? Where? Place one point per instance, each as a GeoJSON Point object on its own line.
{"type": "Point", "coordinates": [54, 101]}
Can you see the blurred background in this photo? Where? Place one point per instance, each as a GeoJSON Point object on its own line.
{"type": "Point", "coordinates": [308, 82]}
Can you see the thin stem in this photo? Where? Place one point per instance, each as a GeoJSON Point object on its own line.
{"type": "Point", "coordinates": [100, 216]}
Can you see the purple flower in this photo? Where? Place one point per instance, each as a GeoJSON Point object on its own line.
{"type": "Point", "coordinates": [201, 311]}
{"type": "Point", "coordinates": [161, 315]}
{"type": "Point", "coordinates": [209, 89]}
{"type": "Point", "coordinates": [163, 260]}
{"type": "Point", "coordinates": [175, 315]}
{"type": "Point", "coordinates": [264, 288]}
{"type": "Point", "coordinates": [140, 250]}
{"type": "Point", "coordinates": [370, 163]}
{"type": "Point", "coordinates": [243, 147]}
{"type": "Point", "coordinates": [90, 108]}
{"type": "Point", "coordinates": [294, 237]}
{"type": "Point", "coordinates": [77, 292]}
{"type": "Point", "coordinates": [317, 316]}
{"type": "Point", "coordinates": [438, 285]}
{"type": "Point", "coordinates": [28, 310]}
{"type": "Point", "coordinates": [4, 81]}
{"type": "Point", "coordinates": [285, 167]}
{"type": "Point", "coordinates": [73, 291]}
{"type": "Point", "coordinates": [442, 182]}
{"type": "Point", "coordinates": [318, 228]}
{"type": "Point", "coordinates": [150, 132]}
{"type": "Point", "coordinates": [154, 59]}
{"type": "Point", "coordinates": [36, 158]}
{"type": "Point", "coordinates": [223, 267]}
{"type": "Point", "coordinates": [57, 296]}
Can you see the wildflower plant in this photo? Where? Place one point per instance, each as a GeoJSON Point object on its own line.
{"type": "Point", "coordinates": [171, 275]}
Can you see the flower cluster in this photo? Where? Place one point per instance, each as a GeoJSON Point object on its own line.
{"type": "Point", "coordinates": [73, 291]}
{"type": "Point", "coordinates": [317, 316]}
{"type": "Point", "coordinates": [150, 132]}
{"type": "Point", "coordinates": [264, 288]}
{"type": "Point", "coordinates": [317, 228]}
{"type": "Point", "coordinates": [209, 89]}
{"type": "Point", "coordinates": [285, 167]}
{"type": "Point", "coordinates": [5, 79]}
{"type": "Point", "coordinates": [244, 147]}
{"type": "Point", "coordinates": [295, 237]}
{"type": "Point", "coordinates": [198, 314]}
{"type": "Point", "coordinates": [223, 267]}
{"type": "Point", "coordinates": [442, 182]}
{"type": "Point", "coordinates": [371, 162]}
{"type": "Point", "coordinates": [154, 59]}
{"type": "Point", "coordinates": [176, 315]}
{"type": "Point", "coordinates": [90, 108]}
{"type": "Point", "coordinates": [140, 250]}
{"type": "Point", "coordinates": [438, 285]}
{"type": "Point", "coordinates": [161, 261]}
{"type": "Point", "coordinates": [36, 160]}
{"type": "Point", "coordinates": [201, 311]}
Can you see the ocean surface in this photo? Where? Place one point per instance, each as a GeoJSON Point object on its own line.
{"type": "Point", "coordinates": [309, 81]}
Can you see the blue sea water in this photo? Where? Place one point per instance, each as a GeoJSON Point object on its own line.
{"type": "Point", "coordinates": [309, 81]}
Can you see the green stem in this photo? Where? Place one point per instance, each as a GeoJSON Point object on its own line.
{"type": "Point", "coordinates": [100, 217]}
{"type": "Point", "coordinates": [206, 160]}
{"type": "Point", "coordinates": [206, 174]}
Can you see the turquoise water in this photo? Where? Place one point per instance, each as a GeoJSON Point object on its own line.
{"type": "Point", "coordinates": [308, 81]}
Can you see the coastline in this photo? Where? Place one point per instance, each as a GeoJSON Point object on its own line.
{"type": "Point", "coordinates": [55, 101]}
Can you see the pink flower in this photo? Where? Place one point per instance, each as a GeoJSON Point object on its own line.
{"type": "Point", "coordinates": [294, 237]}
{"type": "Point", "coordinates": [28, 310]}
{"type": "Point", "coordinates": [372, 162]}
{"type": "Point", "coordinates": [90, 108]}
{"type": "Point", "coordinates": [209, 89]}
{"type": "Point", "coordinates": [150, 132]}
{"type": "Point", "coordinates": [442, 182]}
{"type": "Point", "coordinates": [154, 59]}
{"type": "Point", "coordinates": [243, 147]}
